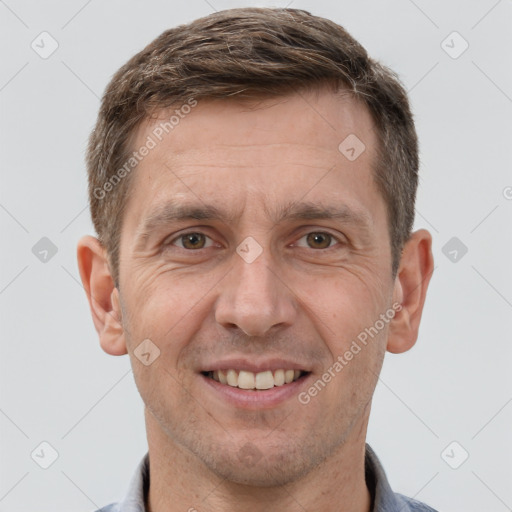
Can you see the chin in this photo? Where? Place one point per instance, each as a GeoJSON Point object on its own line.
{"type": "Point", "coordinates": [259, 465]}
{"type": "Point", "coordinates": [262, 474]}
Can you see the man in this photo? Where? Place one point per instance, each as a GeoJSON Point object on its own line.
{"type": "Point", "coordinates": [252, 180]}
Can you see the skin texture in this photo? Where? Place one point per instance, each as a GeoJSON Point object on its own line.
{"type": "Point", "coordinates": [302, 300]}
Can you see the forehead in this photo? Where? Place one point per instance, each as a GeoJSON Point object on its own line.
{"type": "Point", "coordinates": [321, 115]}
{"type": "Point", "coordinates": [238, 154]}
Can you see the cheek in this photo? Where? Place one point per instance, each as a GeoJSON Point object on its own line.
{"type": "Point", "coordinates": [168, 310]}
{"type": "Point", "coordinates": [348, 315]}
{"type": "Point", "coordinates": [353, 374]}
{"type": "Point", "coordinates": [160, 298]}
{"type": "Point", "coordinates": [344, 303]}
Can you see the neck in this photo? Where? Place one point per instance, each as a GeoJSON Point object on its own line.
{"type": "Point", "coordinates": [181, 482]}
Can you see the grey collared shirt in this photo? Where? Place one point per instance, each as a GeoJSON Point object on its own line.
{"type": "Point", "coordinates": [383, 498]}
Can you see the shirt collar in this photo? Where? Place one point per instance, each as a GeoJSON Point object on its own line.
{"type": "Point", "coordinates": [134, 500]}
{"type": "Point", "coordinates": [383, 498]}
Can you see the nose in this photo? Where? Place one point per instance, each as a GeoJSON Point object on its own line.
{"type": "Point", "coordinates": [255, 297]}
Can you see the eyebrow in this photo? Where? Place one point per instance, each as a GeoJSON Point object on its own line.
{"type": "Point", "coordinates": [173, 212]}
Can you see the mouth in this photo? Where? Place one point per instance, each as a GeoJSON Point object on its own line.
{"type": "Point", "coordinates": [259, 381]}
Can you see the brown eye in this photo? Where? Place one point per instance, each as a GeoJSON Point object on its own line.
{"type": "Point", "coordinates": [318, 240]}
{"type": "Point", "coordinates": [192, 240]}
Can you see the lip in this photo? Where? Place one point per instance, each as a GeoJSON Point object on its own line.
{"type": "Point", "coordinates": [255, 366]}
{"type": "Point", "coordinates": [252, 399]}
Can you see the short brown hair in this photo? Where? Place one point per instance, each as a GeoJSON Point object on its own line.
{"type": "Point", "coordinates": [249, 53]}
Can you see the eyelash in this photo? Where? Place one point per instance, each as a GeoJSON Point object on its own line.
{"type": "Point", "coordinates": [179, 237]}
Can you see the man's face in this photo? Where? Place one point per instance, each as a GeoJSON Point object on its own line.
{"type": "Point", "coordinates": [202, 292]}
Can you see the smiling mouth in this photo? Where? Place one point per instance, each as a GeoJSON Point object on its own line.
{"type": "Point", "coordinates": [255, 381]}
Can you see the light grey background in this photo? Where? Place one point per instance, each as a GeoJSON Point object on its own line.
{"type": "Point", "coordinates": [58, 386]}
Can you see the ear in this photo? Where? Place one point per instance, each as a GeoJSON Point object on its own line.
{"type": "Point", "coordinates": [411, 283]}
{"type": "Point", "coordinates": [102, 295]}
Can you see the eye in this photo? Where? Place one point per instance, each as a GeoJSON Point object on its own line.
{"type": "Point", "coordinates": [191, 241]}
{"type": "Point", "coordinates": [319, 239]}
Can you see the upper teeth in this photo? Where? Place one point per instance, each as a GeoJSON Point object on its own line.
{"type": "Point", "coordinates": [249, 380]}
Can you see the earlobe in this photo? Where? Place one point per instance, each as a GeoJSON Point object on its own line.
{"type": "Point", "coordinates": [413, 277]}
{"type": "Point", "coordinates": [102, 295]}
